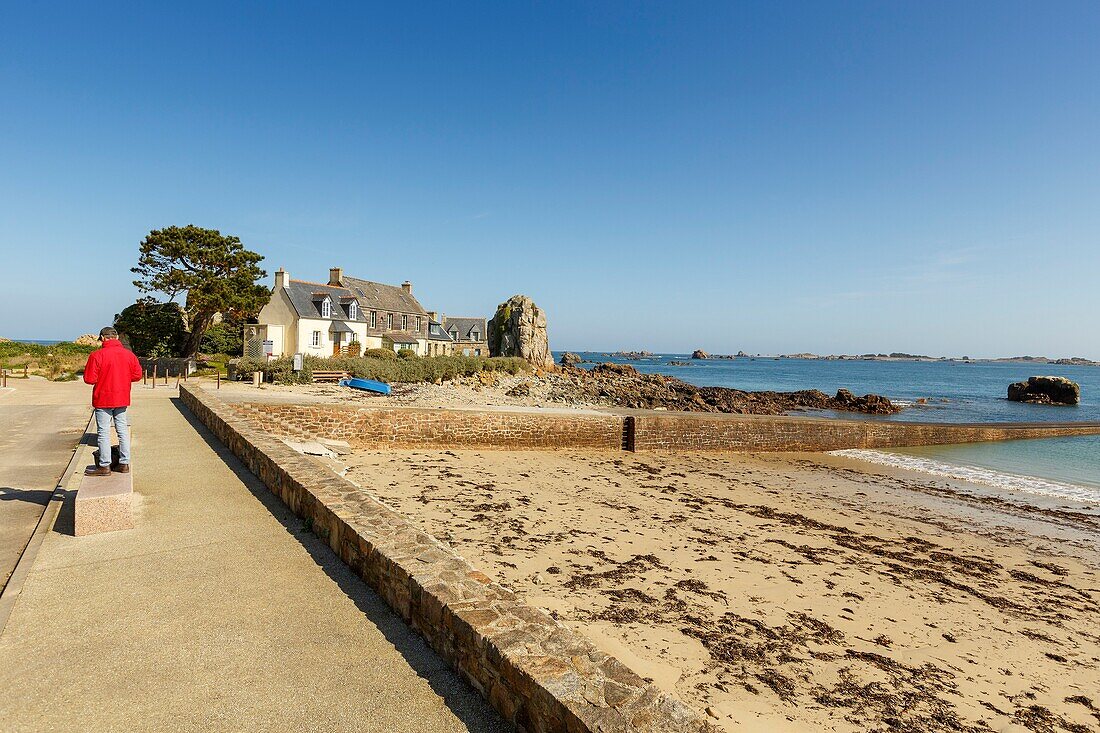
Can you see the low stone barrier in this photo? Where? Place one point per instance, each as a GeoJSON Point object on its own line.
{"type": "Point", "coordinates": [418, 428]}
{"type": "Point", "coordinates": [536, 672]}
{"type": "Point", "coordinates": [366, 427]}
{"type": "Point", "coordinates": [711, 432]}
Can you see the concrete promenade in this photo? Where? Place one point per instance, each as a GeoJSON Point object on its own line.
{"type": "Point", "coordinates": [219, 611]}
{"type": "Point", "coordinates": [40, 424]}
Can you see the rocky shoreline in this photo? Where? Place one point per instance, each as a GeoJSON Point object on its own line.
{"type": "Point", "coordinates": [621, 385]}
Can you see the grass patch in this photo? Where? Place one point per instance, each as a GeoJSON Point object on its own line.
{"type": "Point", "coordinates": [57, 362]}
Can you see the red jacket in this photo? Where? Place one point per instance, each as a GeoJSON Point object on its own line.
{"type": "Point", "coordinates": [111, 369]}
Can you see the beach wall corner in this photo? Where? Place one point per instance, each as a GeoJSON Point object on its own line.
{"type": "Point", "coordinates": [537, 673]}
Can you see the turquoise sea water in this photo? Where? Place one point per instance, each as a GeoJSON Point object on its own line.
{"type": "Point", "coordinates": [954, 392]}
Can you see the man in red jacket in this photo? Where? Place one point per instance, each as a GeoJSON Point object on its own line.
{"type": "Point", "coordinates": [110, 371]}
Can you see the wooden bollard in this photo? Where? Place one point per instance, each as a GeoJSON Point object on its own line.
{"type": "Point", "coordinates": [177, 380]}
{"type": "Point", "coordinates": [154, 376]}
{"type": "Point", "coordinates": [219, 379]}
{"type": "Point", "coordinates": [25, 374]}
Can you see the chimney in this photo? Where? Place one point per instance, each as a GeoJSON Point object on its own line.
{"type": "Point", "coordinates": [282, 279]}
{"type": "Point", "coordinates": [433, 316]}
{"type": "Point", "coordinates": [336, 276]}
{"type": "Point", "coordinates": [407, 287]}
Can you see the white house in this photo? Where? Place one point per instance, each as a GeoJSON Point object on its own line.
{"type": "Point", "coordinates": [322, 320]}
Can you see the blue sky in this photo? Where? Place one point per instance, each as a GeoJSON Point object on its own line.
{"type": "Point", "coordinates": [772, 177]}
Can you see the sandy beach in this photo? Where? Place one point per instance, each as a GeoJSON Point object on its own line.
{"type": "Point", "coordinates": [784, 592]}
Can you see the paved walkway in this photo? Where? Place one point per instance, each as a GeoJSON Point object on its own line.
{"type": "Point", "coordinates": [217, 612]}
{"type": "Point", "coordinates": [40, 424]}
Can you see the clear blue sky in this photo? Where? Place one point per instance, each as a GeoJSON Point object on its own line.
{"type": "Point", "coordinates": [773, 177]}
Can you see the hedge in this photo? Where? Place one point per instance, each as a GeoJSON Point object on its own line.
{"type": "Point", "coordinates": [388, 370]}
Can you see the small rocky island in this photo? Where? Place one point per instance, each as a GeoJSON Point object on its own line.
{"type": "Point", "coordinates": [1046, 391]}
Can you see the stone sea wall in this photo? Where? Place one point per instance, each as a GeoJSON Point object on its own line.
{"type": "Point", "coordinates": [710, 432]}
{"type": "Point", "coordinates": [413, 428]}
{"type": "Point", "coordinates": [536, 672]}
{"type": "Point", "coordinates": [640, 431]}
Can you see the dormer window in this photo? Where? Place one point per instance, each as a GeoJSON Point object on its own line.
{"type": "Point", "coordinates": [326, 308]}
{"type": "Point", "coordinates": [475, 335]}
{"type": "Point", "coordinates": [454, 334]}
{"type": "Point", "coordinates": [353, 311]}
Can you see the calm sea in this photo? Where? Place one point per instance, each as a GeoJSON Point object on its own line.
{"type": "Point", "coordinates": [950, 392]}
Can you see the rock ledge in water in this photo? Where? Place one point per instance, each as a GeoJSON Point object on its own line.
{"type": "Point", "coordinates": [1046, 391]}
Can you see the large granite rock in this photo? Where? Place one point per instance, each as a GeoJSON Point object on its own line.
{"type": "Point", "coordinates": [699, 354]}
{"type": "Point", "coordinates": [519, 329]}
{"type": "Point", "coordinates": [87, 339]}
{"type": "Point", "coordinates": [570, 359]}
{"type": "Point", "coordinates": [1046, 391]}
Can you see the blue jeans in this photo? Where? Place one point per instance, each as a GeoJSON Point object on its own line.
{"type": "Point", "coordinates": [104, 416]}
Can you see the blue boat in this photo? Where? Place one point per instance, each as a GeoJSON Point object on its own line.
{"type": "Point", "coordinates": [368, 384]}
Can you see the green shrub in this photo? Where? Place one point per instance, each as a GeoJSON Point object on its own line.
{"type": "Point", "coordinates": [390, 370]}
{"type": "Point", "coordinates": [151, 328]}
{"type": "Point", "coordinates": [222, 338]}
{"type": "Point", "coordinates": [406, 354]}
{"type": "Point", "coordinates": [380, 354]}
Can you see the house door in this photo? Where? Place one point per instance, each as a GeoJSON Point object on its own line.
{"type": "Point", "coordinates": [336, 339]}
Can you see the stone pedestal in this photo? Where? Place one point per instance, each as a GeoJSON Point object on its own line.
{"type": "Point", "coordinates": [104, 504]}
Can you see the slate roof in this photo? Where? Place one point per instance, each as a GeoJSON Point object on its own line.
{"type": "Point", "coordinates": [464, 326]}
{"type": "Point", "coordinates": [305, 297]}
{"type": "Point", "coordinates": [400, 337]}
{"type": "Point", "coordinates": [378, 296]}
{"type": "Point", "coordinates": [436, 332]}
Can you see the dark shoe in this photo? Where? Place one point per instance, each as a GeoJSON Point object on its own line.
{"type": "Point", "coordinates": [97, 471]}
{"type": "Point", "coordinates": [122, 467]}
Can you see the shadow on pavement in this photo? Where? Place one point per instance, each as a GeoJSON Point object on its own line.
{"type": "Point", "coordinates": [467, 705]}
{"type": "Point", "coordinates": [31, 496]}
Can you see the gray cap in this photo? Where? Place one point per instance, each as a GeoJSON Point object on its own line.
{"type": "Point", "coordinates": [107, 333]}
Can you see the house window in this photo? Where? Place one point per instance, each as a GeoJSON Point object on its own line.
{"type": "Point", "coordinates": [389, 321]}
{"type": "Point", "coordinates": [374, 319]}
{"type": "Point", "coordinates": [418, 324]}
{"type": "Point", "coordinates": [326, 308]}
{"type": "Point", "coordinates": [454, 335]}
{"type": "Point", "coordinates": [404, 322]}
{"type": "Point", "coordinates": [353, 311]}
{"type": "Point", "coordinates": [475, 335]}
{"type": "Point", "coordinates": [316, 338]}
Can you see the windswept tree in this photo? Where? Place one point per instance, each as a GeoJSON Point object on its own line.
{"type": "Point", "coordinates": [215, 273]}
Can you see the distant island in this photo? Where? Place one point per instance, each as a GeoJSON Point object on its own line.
{"type": "Point", "coordinates": [700, 354]}
{"type": "Point", "coordinates": [902, 356]}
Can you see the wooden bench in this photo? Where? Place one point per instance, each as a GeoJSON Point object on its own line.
{"type": "Point", "coordinates": [321, 376]}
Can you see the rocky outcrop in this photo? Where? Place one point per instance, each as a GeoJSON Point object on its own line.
{"type": "Point", "coordinates": [87, 339]}
{"type": "Point", "coordinates": [699, 354]}
{"type": "Point", "coordinates": [1046, 391]}
{"type": "Point", "coordinates": [570, 359]}
{"type": "Point", "coordinates": [519, 329]}
{"type": "Point", "coordinates": [622, 385]}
